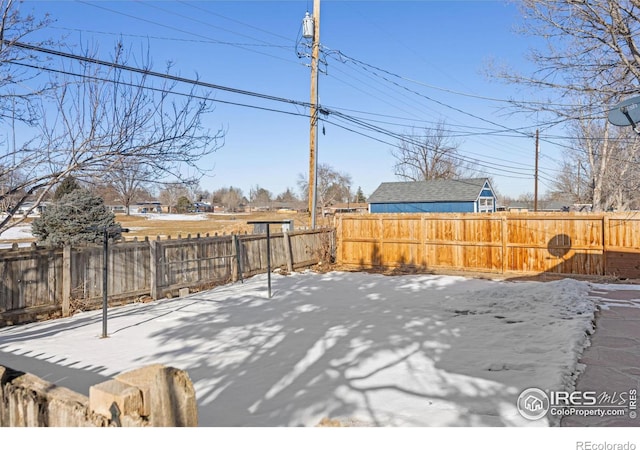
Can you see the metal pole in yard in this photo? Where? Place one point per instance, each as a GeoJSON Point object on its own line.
{"type": "Point", "coordinates": [267, 223]}
{"type": "Point", "coordinates": [268, 261]}
{"type": "Point", "coordinates": [105, 275]}
{"type": "Point", "coordinates": [107, 232]}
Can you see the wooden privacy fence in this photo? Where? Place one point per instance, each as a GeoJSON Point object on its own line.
{"type": "Point", "coordinates": [37, 280]}
{"type": "Point", "coordinates": [580, 244]}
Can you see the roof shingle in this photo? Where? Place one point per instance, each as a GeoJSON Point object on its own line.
{"type": "Point", "coordinates": [428, 191]}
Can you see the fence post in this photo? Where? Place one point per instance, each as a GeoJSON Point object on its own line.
{"type": "Point", "coordinates": [196, 253]}
{"type": "Point", "coordinates": [234, 258]}
{"type": "Point", "coordinates": [153, 269]}
{"type": "Point", "coordinates": [338, 241]}
{"type": "Point", "coordinates": [505, 232]}
{"type": "Point", "coordinates": [422, 250]}
{"type": "Point", "coordinates": [66, 281]}
{"type": "Point", "coordinates": [605, 243]}
{"type": "Point", "coordinates": [51, 281]}
{"type": "Point", "coordinates": [287, 250]}
{"type": "Point", "coordinates": [378, 254]}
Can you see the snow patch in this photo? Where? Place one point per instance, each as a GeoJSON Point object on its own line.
{"type": "Point", "coordinates": [417, 350]}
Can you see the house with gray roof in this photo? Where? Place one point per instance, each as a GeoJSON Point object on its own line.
{"type": "Point", "coordinates": [435, 196]}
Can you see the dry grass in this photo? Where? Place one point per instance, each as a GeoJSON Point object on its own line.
{"type": "Point", "coordinates": [141, 226]}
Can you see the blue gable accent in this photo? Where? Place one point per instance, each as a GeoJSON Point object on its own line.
{"type": "Point", "coordinates": [460, 207]}
{"type": "Point", "coordinates": [487, 193]}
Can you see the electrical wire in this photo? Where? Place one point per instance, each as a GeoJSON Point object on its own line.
{"type": "Point", "coordinates": [170, 27]}
{"type": "Point", "coordinates": [162, 90]}
{"type": "Point", "coordinates": [224, 88]}
{"type": "Point", "coordinates": [148, 72]}
{"type": "Point", "coordinates": [172, 39]}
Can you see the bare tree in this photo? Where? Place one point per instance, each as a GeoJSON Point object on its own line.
{"type": "Point", "coordinates": [332, 186]}
{"type": "Point", "coordinates": [572, 182]}
{"type": "Point", "coordinates": [16, 100]}
{"type": "Point", "coordinates": [232, 198]}
{"type": "Point", "coordinates": [618, 186]}
{"type": "Point", "coordinates": [604, 167]}
{"type": "Point", "coordinates": [260, 197]}
{"type": "Point", "coordinates": [128, 179]}
{"type": "Point", "coordinates": [107, 124]}
{"type": "Point", "coordinates": [428, 156]}
{"type": "Point", "coordinates": [590, 60]}
{"type": "Point", "coordinates": [19, 94]}
{"type": "Point", "coordinates": [170, 194]}
{"type": "Point", "coordinates": [590, 46]}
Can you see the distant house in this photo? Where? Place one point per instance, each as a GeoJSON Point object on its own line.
{"type": "Point", "coordinates": [117, 209]}
{"type": "Point", "coordinates": [28, 208]}
{"type": "Point", "coordinates": [543, 206]}
{"type": "Point", "coordinates": [202, 207]}
{"type": "Point", "coordinates": [148, 207]}
{"type": "Point", "coordinates": [342, 208]}
{"type": "Point", "coordinates": [435, 196]}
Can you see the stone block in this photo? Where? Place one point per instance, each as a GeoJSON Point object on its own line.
{"type": "Point", "coordinates": [141, 379]}
{"type": "Point", "coordinates": [168, 395]}
{"type": "Point", "coordinates": [66, 408]}
{"type": "Point", "coordinates": [183, 292]}
{"type": "Point", "coordinates": [127, 398]}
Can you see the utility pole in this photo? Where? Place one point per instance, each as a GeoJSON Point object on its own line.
{"type": "Point", "coordinates": [313, 131]}
{"type": "Point", "coordinates": [535, 189]}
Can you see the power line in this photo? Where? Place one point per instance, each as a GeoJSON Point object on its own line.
{"type": "Point", "coordinates": [189, 18]}
{"type": "Point", "coordinates": [253, 27]}
{"type": "Point", "coordinates": [173, 38]}
{"type": "Point", "coordinates": [330, 52]}
{"type": "Point", "coordinates": [148, 72]}
{"type": "Point", "coordinates": [344, 57]}
{"type": "Point", "coordinates": [151, 88]}
{"type": "Point", "coordinates": [202, 22]}
{"type": "Point", "coordinates": [526, 132]}
{"type": "Point", "coordinates": [170, 27]}
{"type": "Point", "coordinates": [228, 43]}
{"type": "Point", "coordinates": [414, 141]}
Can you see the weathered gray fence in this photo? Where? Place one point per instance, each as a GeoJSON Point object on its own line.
{"type": "Point", "coordinates": [40, 282]}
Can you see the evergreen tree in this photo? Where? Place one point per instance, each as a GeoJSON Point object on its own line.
{"type": "Point", "coordinates": [68, 185]}
{"type": "Point", "coordinates": [77, 218]}
{"type": "Point", "coordinates": [184, 205]}
{"type": "Point", "coordinates": [360, 198]}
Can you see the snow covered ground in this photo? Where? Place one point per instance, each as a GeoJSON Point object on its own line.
{"type": "Point", "coordinates": [17, 232]}
{"type": "Point", "coordinates": [173, 217]}
{"type": "Point", "coordinates": [369, 349]}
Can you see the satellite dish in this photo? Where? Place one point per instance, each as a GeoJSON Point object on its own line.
{"type": "Point", "coordinates": [626, 113]}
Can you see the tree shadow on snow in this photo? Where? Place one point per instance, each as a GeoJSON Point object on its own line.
{"type": "Point", "coordinates": [332, 346]}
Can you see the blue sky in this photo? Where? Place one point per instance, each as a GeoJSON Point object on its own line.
{"type": "Point", "coordinates": [424, 62]}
